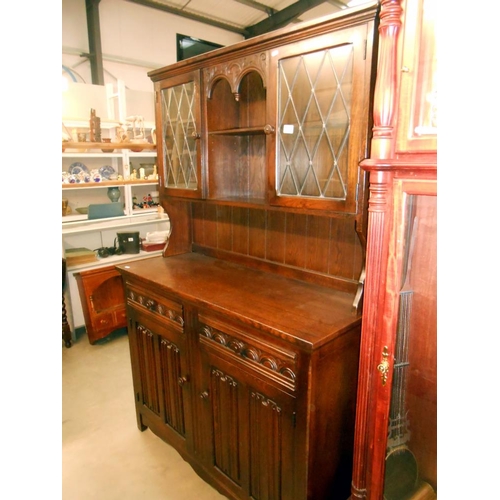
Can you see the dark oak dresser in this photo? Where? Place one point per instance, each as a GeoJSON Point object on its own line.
{"type": "Point", "coordinates": [245, 334]}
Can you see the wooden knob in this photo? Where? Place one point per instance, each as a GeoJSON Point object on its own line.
{"type": "Point", "coordinates": [268, 129]}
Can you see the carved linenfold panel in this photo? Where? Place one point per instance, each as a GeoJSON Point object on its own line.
{"type": "Point", "coordinates": [148, 368]}
{"type": "Point", "coordinates": [171, 373]}
{"type": "Point", "coordinates": [269, 361]}
{"type": "Point", "coordinates": [266, 433]}
{"type": "Point", "coordinates": [226, 417]}
{"type": "Point", "coordinates": [173, 311]}
{"type": "Point", "coordinates": [233, 71]}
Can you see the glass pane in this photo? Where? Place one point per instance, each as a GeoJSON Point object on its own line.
{"type": "Point", "coordinates": [179, 130]}
{"type": "Point", "coordinates": [410, 468]}
{"type": "Point", "coordinates": [426, 110]}
{"type": "Point", "coordinates": [315, 93]}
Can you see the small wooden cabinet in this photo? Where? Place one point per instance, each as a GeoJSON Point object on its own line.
{"type": "Point", "coordinates": [246, 383]}
{"type": "Point", "coordinates": [103, 301]}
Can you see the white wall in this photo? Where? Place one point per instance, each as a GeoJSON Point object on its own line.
{"type": "Point", "coordinates": [143, 37]}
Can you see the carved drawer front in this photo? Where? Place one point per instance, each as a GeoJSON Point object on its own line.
{"type": "Point", "coordinates": [274, 362]}
{"type": "Point", "coordinates": [168, 310]}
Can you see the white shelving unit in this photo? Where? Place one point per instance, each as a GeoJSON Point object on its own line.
{"type": "Point", "coordinates": [77, 230]}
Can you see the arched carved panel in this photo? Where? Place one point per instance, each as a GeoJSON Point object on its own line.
{"type": "Point", "coordinates": [234, 71]}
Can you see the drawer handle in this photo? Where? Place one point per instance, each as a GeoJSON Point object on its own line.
{"type": "Point", "coordinates": [182, 380]}
{"type": "Point", "coordinates": [204, 395]}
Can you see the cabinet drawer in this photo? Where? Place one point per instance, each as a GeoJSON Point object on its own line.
{"type": "Point", "coordinates": [109, 319]}
{"type": "Point", "coordinates": [158, 306]}
{"type": "Point", "coordinates": [103, 321]}
{"type": "Point", "coordinates": [263, 356]}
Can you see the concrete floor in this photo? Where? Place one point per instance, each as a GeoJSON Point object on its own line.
{"type": "Point", "coordinates": [104, 455]}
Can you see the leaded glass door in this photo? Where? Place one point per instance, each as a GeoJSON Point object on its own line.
{"type": "Point", "coordinates": [321, 98]}
{"type": "Point", "coordinates": [179, 104]}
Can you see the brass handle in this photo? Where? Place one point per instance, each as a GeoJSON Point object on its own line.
{"type": "Point", "coordinates": [383, 366]}
{"type": "Point", "coordinates": [204, 395]}
{"type": "Point", "coordinates": [195, 135]}
{"type": "Point", "coordinates": [182, 380]}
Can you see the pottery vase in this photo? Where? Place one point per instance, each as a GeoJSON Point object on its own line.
{"type": "Point", "coordinates": [114, 194]}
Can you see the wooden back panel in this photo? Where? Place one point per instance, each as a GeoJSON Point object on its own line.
{"type": "Point", "coordinates": [314, 248]}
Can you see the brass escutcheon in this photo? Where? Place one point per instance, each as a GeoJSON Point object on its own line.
{"type": "Point", "coordinates": [383, 367]}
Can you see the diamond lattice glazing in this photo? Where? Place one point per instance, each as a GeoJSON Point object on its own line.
{"type": "Point", "coordinates": [315, 92]}
{"type": "Point", "coordinates": [179, 142]}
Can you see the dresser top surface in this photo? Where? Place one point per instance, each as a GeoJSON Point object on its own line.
{"type": "Point", "coordinates": [303, 313]}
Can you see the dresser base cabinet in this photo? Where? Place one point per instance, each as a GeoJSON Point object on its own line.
{"type": "Point", "coordinates": [250, 376]}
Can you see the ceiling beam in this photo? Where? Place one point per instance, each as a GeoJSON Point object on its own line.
{"type": "Point", "coordinates": [258, 6]}
{"type": "Point", "coordinates": [189, 15]}
{"type": "Point", "coordinates": [94, 36]}
{"type": "Point", "coordinates": [338, 4]}
{"type": "Point", "coordinates": [282, 17]}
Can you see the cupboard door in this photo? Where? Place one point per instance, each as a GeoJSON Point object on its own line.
{"type": "Point", "coordinates": [179, 152]}
{"type": "Point", "coordinates": [404, 456]}
{"type": "Point", "coordinates": [252, 431]}
{"type": "Point", "coordinates": [417, 119]}
{"type": "Point", "coordinates": [161, 378]}
{"type": "Point", "coordinates": [321, 113]}
{"type": "Point", "coordinates": [250, 420]}
{"type": "Point", "coordinates": [410, 463]}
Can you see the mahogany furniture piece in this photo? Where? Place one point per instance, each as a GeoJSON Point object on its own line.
{"type": "Point", "coordinates": [103, 301]}
{"type": "Point", "coordinates": [396, 419]}
{"type": "Point", "coordinates": [244, 335]}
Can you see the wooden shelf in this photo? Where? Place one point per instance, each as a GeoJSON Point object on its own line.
{"type": "Point", "coordinates": [110, 145]}
{"type": "Point", "coordinates": [114, 259]}
{"type": "Point", "coordinates": [87, 185]}
{"type": "Point", "coordinates": [239, 131]}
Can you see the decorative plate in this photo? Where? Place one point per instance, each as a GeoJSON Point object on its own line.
{"type": "Point", "coordinates": [78, 168]}
{"type": "Point", "coordinates": [107, 171]}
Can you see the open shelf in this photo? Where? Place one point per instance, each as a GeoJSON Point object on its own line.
{"type": "Point", "coordinates": [81, 224]}
{"type": "Point", "coordinates": [114, 259]}
{"type": "Point", "coordinates": [136, 147]}
{"type": "Point", "coordinates": [88, 185]}
{"type": "Point", "coordinates": [240, 131]}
